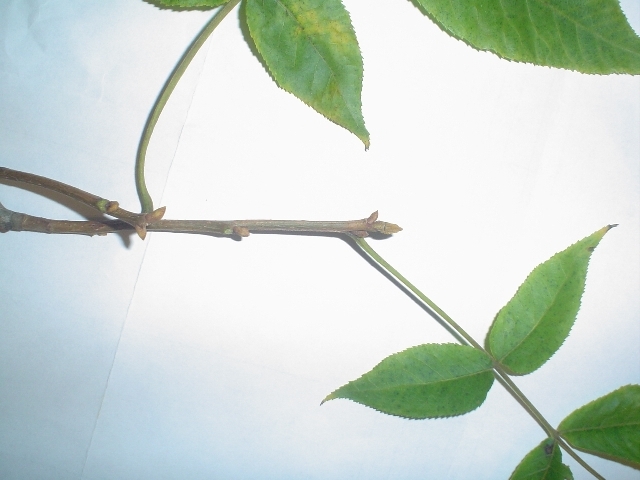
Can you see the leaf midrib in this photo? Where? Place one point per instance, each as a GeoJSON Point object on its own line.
{"type": "Point", "coordinates": [567, 278]}
{"type": "Point", "coordinates": [617, 425]}
{"type": "Point", "coordinates": [384, 389]}
{"type": "Point", "coordinates": [578, 24]}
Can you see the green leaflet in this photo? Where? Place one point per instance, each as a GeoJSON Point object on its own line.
{"type": "Point", "coordinates": [427, 381]}
{"type": "Point", "coordinates": [590, 36]}
{"type": "Point", "coordinates": [608, 427]}
{"type": "Point", "coordinates": [534, 324]}
{"type": "Point", "coordinates": [180, 4]}
{"type": "Point", "coordinates": [543, 463]}
{"type": "Point", "coordinates": [311, 50]}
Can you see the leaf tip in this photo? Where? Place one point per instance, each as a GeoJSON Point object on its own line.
{"type": "Point", "coordinates": [331, 396]}
{"type": "Point", "coordinates": [597, 236]}
{"type": "Point", "coordinates": [361, 132]}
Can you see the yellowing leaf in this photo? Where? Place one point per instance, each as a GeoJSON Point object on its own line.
{"type": "Point", "coordinates": [311, 50]}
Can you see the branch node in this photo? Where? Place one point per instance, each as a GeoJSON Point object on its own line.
{"type": "Point", "coordinates": [155, 216]}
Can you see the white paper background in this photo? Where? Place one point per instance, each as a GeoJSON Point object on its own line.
{"type": "Point", "coordinates": [195, 357]}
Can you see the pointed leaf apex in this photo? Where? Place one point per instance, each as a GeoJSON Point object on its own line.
{"type": "Point", "coordinates": [331, 396]}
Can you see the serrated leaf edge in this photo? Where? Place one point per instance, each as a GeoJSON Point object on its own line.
{"type": "Point", "coordinates": [623, 461]}
{"type": "Point", "coordinates": [455, 36]}
{"type": "Point", "coordinates": [487, 344]}
{"type": "Point", "coordinates": [333, 396]}
{"type": "Point", "coordinates": [364, 139]}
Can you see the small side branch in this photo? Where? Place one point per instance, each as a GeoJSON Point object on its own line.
{"type": "Point", "coordinates": [138, 221]}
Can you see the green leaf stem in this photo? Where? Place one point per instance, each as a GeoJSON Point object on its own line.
{"type": "Point", "coordinates": [590, 36]}
{"type": "Point", "coordinates": [311, 50]}
{"type": "Point", "coordinates": [531, 327]}
{"type": "Point", "coordinates": [427, 381]}
{"type": "Point", "coordinates": [608, 427]}
{"type": "Point", "coordinates": [543, 463]}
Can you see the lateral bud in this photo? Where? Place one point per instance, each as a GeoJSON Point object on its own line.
{"type": "Point", "coordinates": [141, 231]}
{"type": "Point", "coordinates": [155, 215]}
{"type": "Point", "coordinates": [102, 205]}
{"type": "Point", "coordinates": [241, 231]}
{"type": "Point", "coordinates": [372, 218]}
{"type": "Point", "coordinates": [111, 207]}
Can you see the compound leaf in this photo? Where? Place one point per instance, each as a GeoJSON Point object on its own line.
{"type": "Point", "coordinates": [311, 50]}
{"type": "Point", "coordinates": [608, 427]}
{"type": "Point", "coordinates": [427, 381]}
{"type": "Point", "coordinates": [543, 463]}
{"type": "Point", "coordinates": [590, 36]}
{"type": "Point", "coordinates": [181, 4]}
{"type": "Point", "coordinates": [535, 322]}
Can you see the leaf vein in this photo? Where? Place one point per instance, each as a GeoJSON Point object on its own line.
{"type": "Point", "coordinates": [354, 117]}
{"type": "Point", "coordinates": [550, 304]}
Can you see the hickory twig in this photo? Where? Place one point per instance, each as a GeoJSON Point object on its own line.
{"type": "Point", "coordinates": [16, 221]}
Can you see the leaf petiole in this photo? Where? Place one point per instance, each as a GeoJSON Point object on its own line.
{"type": "Point", "coordinates": [143, 193]}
